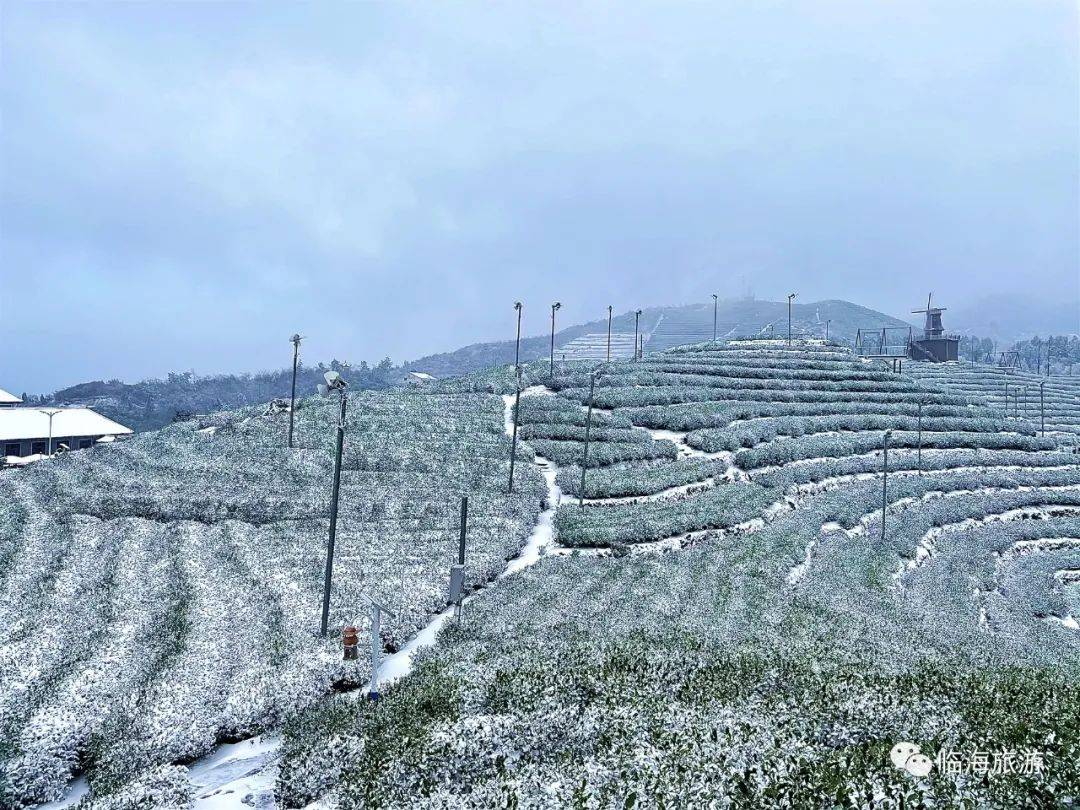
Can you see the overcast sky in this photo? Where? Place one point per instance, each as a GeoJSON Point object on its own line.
{"type": "Point", "coordinates": [185, 185]}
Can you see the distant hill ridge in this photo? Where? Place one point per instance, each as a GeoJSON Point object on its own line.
{"type": "Point", "coordinates": [663, 328]}
{"type": "Point", "coordinates": [150, 404]}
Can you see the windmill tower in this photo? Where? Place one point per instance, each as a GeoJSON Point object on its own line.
{"type": "Point", "coordinates": [935, 345]}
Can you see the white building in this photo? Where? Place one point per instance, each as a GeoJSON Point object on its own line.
{"type": "Point", "coordinates": [8, 400]}
{"type": "Point", "coordinates": [26, 431]}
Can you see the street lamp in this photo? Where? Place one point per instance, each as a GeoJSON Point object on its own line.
{"type": "Point", "coordinates": [714, 317]}
{"type": "Point", "coordinates": [554, 307]}
{"type": "Point", "coordinates": [609, 333]}
{"type": "Point", "coordinates": [790, 298]}
{"type": "Point", "coordinates": [588, 430]}
{"type": "Point", "coordinates": [517, 344]}
{"type": "Point", "coordinates": [334, 382]}
{"type": "Point", "coordinates": [884, 479]}
{"type": "Point", "coordinates": [295, 340]}
{"type": "Point", "coordinates": [637, 317]}
{"type": "Point", "coordinates": [513, 443]}
{"type": "Point", "coordinates": [51, 413]}
{"type": "Point", "coordinates": [827, 322]}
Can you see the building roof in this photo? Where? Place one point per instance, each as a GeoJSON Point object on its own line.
{"type": "Point", "coordinates": [33, 423]}
{"type": "Point", "coordinates": [420, 375]}
{"type": "Point", "coordinates": [7, 398]}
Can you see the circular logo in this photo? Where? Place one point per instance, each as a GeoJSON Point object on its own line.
{"type": "Point", "coordinates": [908, 757]}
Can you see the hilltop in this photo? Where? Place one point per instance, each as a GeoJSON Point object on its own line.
{"type": "Point", "coordinates": [151, 404]}
{"type": "Point", "coordinates": [665, 328]}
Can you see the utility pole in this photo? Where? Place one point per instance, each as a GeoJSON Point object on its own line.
{"type": "Point", "coordinates": [827, 322]}
{"type": "Point", "coordinates": [334, 382]}
{"type": "Point", "coordinates": [517, 344]}
{"type": "Point", "coordinates": [609, 333]}
{"type": "Point", "coordinates": [637, 317]}
{"type": "Point", "coordinates": [295, 339]}
{"type": "Point", "coordinates": [513, 443]}
{"type": "Point", "coordinates": [588, 430]}
{"type": "Point", "coordinates": [714, 317]}
{"type": "Point", "coordinates": [554, 307]}
{"type": "Point", "coordinates": [790, 298]}
{"type": "Point", "coordinates": [884, 480]}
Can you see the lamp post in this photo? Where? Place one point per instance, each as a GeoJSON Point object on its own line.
{"type": "Point", "coordinates": [334, 382]}
{"type": "Point", "coordinates": [588, 430]}
{"type": "Point", "coordinates": [609, 333]}
{"type": "Point", "coordinates": [790, 298]}
{"type": "Point", "coordinates": [295, 340]}
{"type": "Point", "coordinates": [637, 317]}
{"type": "Point", "coordinates": [827, 322]}
{"type": "Point", "coordinates": [517, 343]}
{"type": "Point", "coordinates": [884, 479]}
{"type": "Point", "coordinates": [554, 307]}
{"type": "Point", "coordinates": [51, 413]}
{"type": "Point", "coordinates": [714, 299]}
{"type": "Point", "coordinates": [513, 442]}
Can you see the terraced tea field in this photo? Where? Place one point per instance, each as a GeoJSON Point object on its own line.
{"type": "Point", "coordinates": [162, 595]}
{"type": "Point", "coordinates": [722, 604]}
{"type": "Point", "coordinates": [722, 618]}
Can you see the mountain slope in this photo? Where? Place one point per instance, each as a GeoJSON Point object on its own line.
{"type": "Point", "coordinates": [663, 328]}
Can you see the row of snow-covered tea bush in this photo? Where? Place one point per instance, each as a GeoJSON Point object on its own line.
{"type": "Point", "coordinates": [699, 679]}
{"type": "Point", "coordinates": [163, 593]}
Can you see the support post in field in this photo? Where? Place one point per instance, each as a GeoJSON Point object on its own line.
{"type": "Point", "coordinates": [1042, 408]}
{"type": "Point", "coordinates": [609, 333]}
{"type": "Point", "coordinates": [513, 443]}
{"type": "Point", "coordinates": [714, 317]}
{"type": "Point", "coordinates": [457, 572]}
{"type": "Point", "coordinates": [376, 649]}
{"type": "Point", "coordinates": [554, 307]}
{"type": "Point", "coordinates": [334, 382]}
{"type": "Point", "coordinates": [637, 318]}
{"type": "Point", "coordinates": [920, 436]}
{"type": "Point", "coordinates": [517, 341]}
{"type": "Point", "coordinates": [790, 298]}
{"type": "Point", "coordinates": [588, 431]}
{"type": "Point", "coordinates": [884, 479]}
{"type": "Point", "coordinates": [295, 340]}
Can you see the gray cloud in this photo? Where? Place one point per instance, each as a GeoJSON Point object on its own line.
{"type": "Point", "coordinates": [184, 185]}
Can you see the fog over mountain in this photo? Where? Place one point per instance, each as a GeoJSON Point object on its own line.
{"type": "Point", "coordinates": [186, 185]}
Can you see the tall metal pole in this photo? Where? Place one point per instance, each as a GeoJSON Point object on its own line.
{"type": "Point", "coordinates": [789, 300]}
{"type": "Point", "coordinates": [554, 307]}
{"type": "Point", "coordinates": [637, 317]}
{"type": "Point", "coordinates": [884, 480]}
{"type": "Point", "coordinates": [333, 515]}
{"type": "Point", "coordinates": [714, 317]}
{"type": "Point", "coordinates": [1042, 409]}
{"type": "Point", "coordinates": [827, 322]}
{"type": "Point", "coordinates": [609, 333]}
{"type": "Point", "coordinates": [513, 443]}
{"type": "Point", "coordinates": [517, 343]}
{"type": "Point", "coordinates": [292, 396]}
{"type": "Point", "coordinates": [588, 430]}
